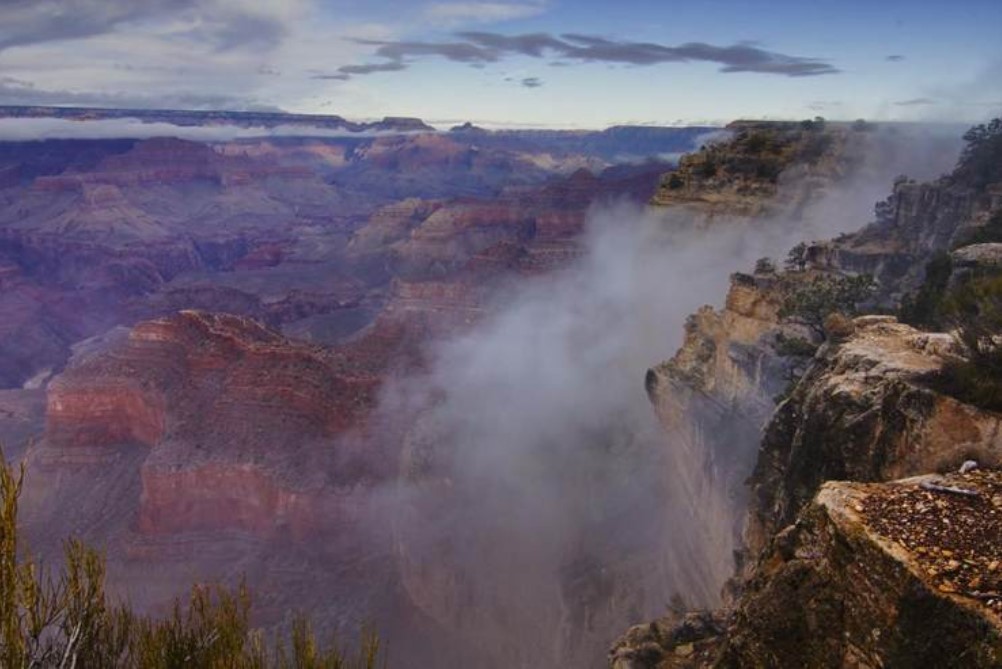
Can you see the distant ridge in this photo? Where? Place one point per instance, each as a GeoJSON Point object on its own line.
{"type": "Point", "coordinates": [241, 119]}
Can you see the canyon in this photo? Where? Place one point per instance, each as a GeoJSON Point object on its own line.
{"type": "Point", "coordinates": [410, 379]}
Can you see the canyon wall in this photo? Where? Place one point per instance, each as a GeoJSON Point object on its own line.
{"type": "Point", "coordinates": [865, 408]}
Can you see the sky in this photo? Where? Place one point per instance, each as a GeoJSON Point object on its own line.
{"type": "Point", "coordinates": [545, 63]}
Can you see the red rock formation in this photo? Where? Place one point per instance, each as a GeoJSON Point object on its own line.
{"type": "Point", "coordinates": [228, 410]}
{"type": "Point", "coordinates": [105, 412]}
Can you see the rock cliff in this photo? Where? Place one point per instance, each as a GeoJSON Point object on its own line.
{"type": "Point", "coordinates": [859, 574]}
{"type": "Point", "coordinates": [824, 578]}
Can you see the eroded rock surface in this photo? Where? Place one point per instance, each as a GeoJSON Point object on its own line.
{"type": "Point", "coordinates": [840, 589]}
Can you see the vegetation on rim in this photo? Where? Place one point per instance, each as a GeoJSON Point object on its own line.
{"type": "Point", "coordinates": [66, 620]}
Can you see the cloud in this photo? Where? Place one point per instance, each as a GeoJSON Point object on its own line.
{"type": "Point", "coordinates": [532, 82]}
{"type": "Point", "coordinates": [460, 52]}
{"type": "Point", "coordinates": [894, 58]}
{"type": "Point", "coordinates": [391, 66]}
{"type": "Point", "coordinates": [23, 23]}
{"type": "Point", "coordinates": [18, 92]}
{"type": "Point", "coordinates": [482, 12]}
{"type": "Point", "coordinates": [477, 47]}
{"type": "Point", "coordinates": [915, 102]}
{"type": "Point", "coordinates": [223, 24]}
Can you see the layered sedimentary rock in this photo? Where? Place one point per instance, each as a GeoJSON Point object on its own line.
{"type": "Point", "coordinates": [187, 442]}
{"type": "Point", "coordinates": [206, 398]}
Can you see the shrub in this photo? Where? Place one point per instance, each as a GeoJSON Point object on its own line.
{"type": "Point", "coordinates": [765, 266]}
{"type": "Point", "coordinates": [796, 259]}
{"type": "Point", "coordinates": [810, 303]}
{"type": "Point", "coordinates": [989, 233]}
{"type": "Point", "coordinates": [980, 162]}
{"type": "Point", "coordinates": [923, 309]}
{"type": "Point", "coordinates": [67, 620]}
{"type": "Point", "coordinates": [974, 310]}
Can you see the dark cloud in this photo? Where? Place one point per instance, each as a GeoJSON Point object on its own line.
{"type": "Point", "coordinates": [478, 48]}
{"type": "Point", "coordinates": [221, 24]}
{"type": "Point", "coordinates": [532, 82]}
{"type": "Point", "coordinates": [331, 77]}
{"type": "Point", "coordinates": [391, 66]}
{"type": "Point", "coordinates": [915, 102]}
{"type": "Point", "coordinates": [895, 58]}
{"type": "Point", "coordinates": [461, 52]}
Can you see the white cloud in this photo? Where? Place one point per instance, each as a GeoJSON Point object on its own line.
{"type": "Point", "coordinates": [222, 53]}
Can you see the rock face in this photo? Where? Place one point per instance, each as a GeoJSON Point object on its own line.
{"type": "Point", "coordinates": [865, 412]}
{"type": "Point", "coordinates": [712, 399]}
{"type": "Point", "coordinates": [719, 391]}
{"type": "Point", "coordinates": [835, 591]}
{"type": "Point", "coordinates": [823, 574]}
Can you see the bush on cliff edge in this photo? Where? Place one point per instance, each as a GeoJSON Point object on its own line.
{"type": "Point", "coordinates": [66, 620]}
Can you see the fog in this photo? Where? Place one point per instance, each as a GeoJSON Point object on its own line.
{"type": "Point", "coordinates": [544, 509]}
{"type": "Point", "coordinates": [29, 129]}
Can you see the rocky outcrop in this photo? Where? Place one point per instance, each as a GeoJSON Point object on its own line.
{"type": "Point", "coordinates": [870, 575]}
{"type": "Point", "coordinates": [761, 168]}
{"type": "Point", "coordinates": [205, 447]}
{"type": "Point", "coordinates": [450, 236]}
{"type": "Point", "coordinates": [822, 574]}
{"type": "Point", "coordinates": [859, 581]}
{"type": "Point", "coordinates": [865, 411]}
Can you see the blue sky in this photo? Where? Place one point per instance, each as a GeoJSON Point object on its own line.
{"type": "Point", "coordinates": [566, 63]}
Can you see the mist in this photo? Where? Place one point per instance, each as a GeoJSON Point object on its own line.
{"type": "Point", "coordinates": [29, 129]}
{"type": "Point", "coordinates": [543, 509]}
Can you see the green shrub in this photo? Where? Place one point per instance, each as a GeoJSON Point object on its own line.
{"type": "Point", "coordinates": [675, 181]}
{"type": "Point", "coordinates": [974, 311]}
{"type": "Point", "coordinates": [810, 302]}
{"type": "Point", "coordinates": [980, 162]}
{"type": "Point", "coordinates": [989, 233]}
{"type": "Point", "coordinates": [923, 309]}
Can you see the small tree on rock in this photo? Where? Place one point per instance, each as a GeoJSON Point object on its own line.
{"type": "Point", "coordinates": [811, 302]}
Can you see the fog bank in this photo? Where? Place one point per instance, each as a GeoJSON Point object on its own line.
{"type": "Point", "coordinates": [543, 509]}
